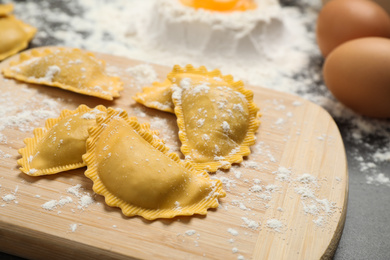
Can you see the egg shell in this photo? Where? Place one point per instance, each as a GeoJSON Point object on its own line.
{"type": "Point", "coordinates": [358, 75]}
{"type": "Point", "coordinates": [384, 3]}
{"type": "Point", "coordinates": [343, 20]}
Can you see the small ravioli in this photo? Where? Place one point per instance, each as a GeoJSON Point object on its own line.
{"type": "Point", "coordinates": [134, 171]}
{"type": "Point", "coordinates": [70, 69]}
{"type": "Point", "coordinates": [14, 34]}
{"type": "Point", "coordinates": [60, 145]}
{"type": "Point", "coordinates": [158, 96]}
{"type": "Point", "coordinates": [217, 117]}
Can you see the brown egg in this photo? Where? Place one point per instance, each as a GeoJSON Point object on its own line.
{"type": "Point", "coordinates": [358, 74]}
{"type": "Point", "coordinates": [343, 20]}
{"type": "Point", "coordinates": [384, 3]}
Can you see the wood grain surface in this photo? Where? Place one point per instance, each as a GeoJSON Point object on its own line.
{"type": "Point", "coordinates": [289, 218]}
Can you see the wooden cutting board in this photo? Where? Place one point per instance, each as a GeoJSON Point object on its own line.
{"type": "Point", "coordinates": [272, 209]}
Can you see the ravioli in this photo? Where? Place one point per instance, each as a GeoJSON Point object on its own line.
{"type": "Point", "coordinates": [135, 172]}
{"type": "Point", "coordinates": [217, 117]}
{"type": "Point", "coordinates": [70, 69]}
{"type": "Point", "coordinates": [14, 34]}
{"type": "Point", "coordinates": [6, 9]}
{"type": "Point", "coordinates": [60, 145]}
{"type": "Point", "coordinates": [158, 96]}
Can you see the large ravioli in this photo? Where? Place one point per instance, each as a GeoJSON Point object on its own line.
{"type": "Point", "coordinates": [67, 68]}
{"type": "Point", "coordinates": [60, 145]}
{"type": "Point", "coordinates": [217, 117]}
{"type": "Point", "coordinates": [14, 34]}
{"type": "Point", "coordinates": [133, 170]}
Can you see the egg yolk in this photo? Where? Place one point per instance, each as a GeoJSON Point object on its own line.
{"type": "Point", "coordinates": [221, 5]}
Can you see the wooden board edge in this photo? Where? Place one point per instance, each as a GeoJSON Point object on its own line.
{"type": "Point", "coordinates": [333, 245]}
{"type": "Point", "coordinates": [29, 243]}
{"type": "Point", "coordinates": [331, 250]}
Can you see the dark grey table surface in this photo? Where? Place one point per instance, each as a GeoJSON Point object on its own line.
{"type": "Point", "coordinates": [367, 229]}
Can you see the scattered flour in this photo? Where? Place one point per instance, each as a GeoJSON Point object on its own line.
{"type": "Point", "coordinates": [53, 204]}
{"type": "Point", "coordinates": [378, 179]}
{"type": "Point", "coordinates": [249, 223]}
{"type": "Point", "coordinates": [190, 232]}
{"type": "Point", "coordinates": [73, 227]}
{"type": "Point", "coordinates": [319, 221]}
{"type": "Point", "coordinates": [143, 75]}
{"type": "Point", "coordinates": [233, 231]}
{"type": "Point", "coordinates": [227, 182]}
{"type": "Point", "coordinates": [275, 225]}
{"type": "Point", "coordinates": [9, 197]}
{"type": "Point", "coordinates": [382, 156]}
{"type": "Point", "coordinates": [306, 187]}
{"type": "Point", "coordinates": [283, 174]}
{"type": "Point", "coordinates": [84, 199]}
{"type": "Point", "coordinates": [307, 179]}
{"type": "Point", "coordinates": [22, 114]}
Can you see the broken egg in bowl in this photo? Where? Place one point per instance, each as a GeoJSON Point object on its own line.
{"type": "Point", "coordinates": [241, 29]}
{"type": "Point", "coordinates": [221, 5]}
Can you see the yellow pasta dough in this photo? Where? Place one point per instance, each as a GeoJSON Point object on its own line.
{"type": "Point", "coordinates": [60, 145]}
{"type": "Point", "coordinates": [134, 171]}
{"type": "Point", "coordinates": [6, 9]}
{"type": "Point", "coordinates": [158, 96]}
{"type": "Point", "coordinates": [14, 34]}
{"type": "Point", "coordinates": [217, 117]}
{"type": "Point", "coordinates": [71, 69]}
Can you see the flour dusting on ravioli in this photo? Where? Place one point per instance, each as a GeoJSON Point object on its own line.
{"type": "Point", "coordinates": [70, 69]}
{"type": "Point", "coordinates": [157, 96]}
{"type": "Point", "coordinates": [216, 116]}
{"type": "Point", "coordinates": [60, 145]}
{"type": "Point", "coordinates": [134, 171]}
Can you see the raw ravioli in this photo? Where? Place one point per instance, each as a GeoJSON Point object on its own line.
{"type": "Point", "coordinates": [60, 145]}
{"type": "Point", "coordinates": [14, 34]}
{"type": "Point", "coordinates": [158, 96]}
{"type": "Point", "coordinates": [217, 117]}
{"type": "Point", "coordinates": [70, 69]}
{"type": "Point", "coordinates": [6, 9]}
{"type": "Point", "coordinates": [134, 171]}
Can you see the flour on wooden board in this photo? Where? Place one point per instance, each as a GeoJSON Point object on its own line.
{"type": "Point", "coordinates": [73, 227]}
{"type": "Point", "coordinates": [11, 196]}
{"type": "Point", "coordinates": [84, 199]}
{"type": "Point", "coordinates": [275, 225]}
{"type": "Point", "coordinates": [25, 114]}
